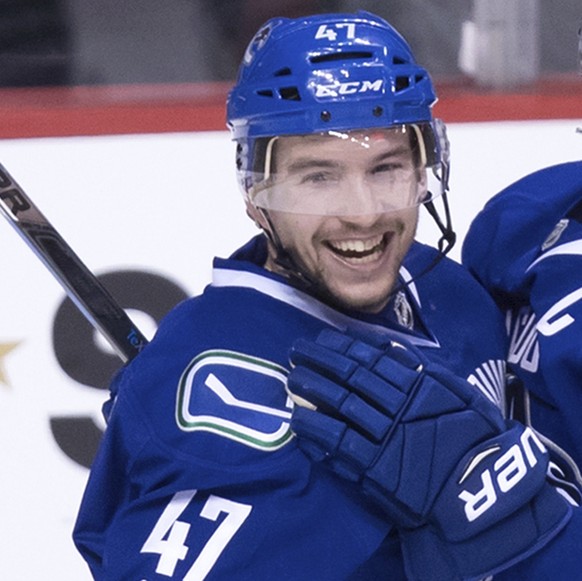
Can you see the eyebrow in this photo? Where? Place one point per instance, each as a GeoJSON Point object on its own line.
{"type": "Point", "coordinates": [307, 163]}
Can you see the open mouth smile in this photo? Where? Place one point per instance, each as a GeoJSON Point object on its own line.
{"type": "Point", "coordinates": [359, 251]}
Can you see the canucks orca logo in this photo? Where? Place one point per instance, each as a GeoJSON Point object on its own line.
{"type": "Point", "coordinates": [257, 43]}
{"type": "Point", "coordinates": [236, 396]}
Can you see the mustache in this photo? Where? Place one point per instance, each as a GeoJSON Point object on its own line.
{"type": "Point", "coordinates": [356, 227]}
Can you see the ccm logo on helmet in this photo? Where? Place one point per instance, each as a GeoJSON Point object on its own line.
{"type": "Point", "coordinates": [509, 469]}
{"type": "Point", "coordinates": [349, 88]}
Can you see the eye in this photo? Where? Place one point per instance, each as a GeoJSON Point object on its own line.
{"type": "Point", "coordinates": [318, 177]}
{"type": "Point", "coordinates": [386, 167]}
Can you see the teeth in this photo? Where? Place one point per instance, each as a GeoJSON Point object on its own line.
{"type": "Point", "coordinates": [359, 251]}
{"type": "Point", "coordinates": [357, 245]}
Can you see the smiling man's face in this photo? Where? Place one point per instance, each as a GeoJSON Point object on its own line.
{"type": "Point", "coordinates": [345, 208]}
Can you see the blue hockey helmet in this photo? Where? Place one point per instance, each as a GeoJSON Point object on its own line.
{"type": "Point", "coordinates": [329, 71]}
{"type": "Point", "coordinates": [332, 74]}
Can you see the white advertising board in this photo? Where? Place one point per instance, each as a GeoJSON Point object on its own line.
{"type": "Point", "coordinates": [162, 205]}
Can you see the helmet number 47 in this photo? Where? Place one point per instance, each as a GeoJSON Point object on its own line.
{"type": "Point", "coordinates": [328, 32]}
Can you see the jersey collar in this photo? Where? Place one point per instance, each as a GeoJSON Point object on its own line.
{"type": "Point", "coordinates": [243, 271]}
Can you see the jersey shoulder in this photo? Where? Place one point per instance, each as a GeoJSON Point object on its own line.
{"type": "Point", "coordinates": [446, 285]}
{"type": "Point", "coordinates": [211, 384]}
{"type": "Point", "coordinates": [463, 318]}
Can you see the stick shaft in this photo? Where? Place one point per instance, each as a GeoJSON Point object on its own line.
{"type": "Point", "coordinates": [80, 284]}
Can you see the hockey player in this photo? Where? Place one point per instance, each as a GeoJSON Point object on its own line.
{"type": "Point", "coordinates": [525, 246]}
{"type": "Point", "coordinates": [395, 463]}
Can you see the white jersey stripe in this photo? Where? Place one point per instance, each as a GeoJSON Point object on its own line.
{"type": "Point", "coordinates": [223, 277]}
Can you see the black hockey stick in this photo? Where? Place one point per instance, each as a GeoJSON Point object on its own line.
{"type": "Point", "coordinates": [80, 284]}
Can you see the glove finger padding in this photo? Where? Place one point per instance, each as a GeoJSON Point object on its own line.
{"type": "Point", "coordinates": [425, 443]}
{"type": "Point", "coordinates": [400, 422]}
{"type": "Point", "coordinates": [327, 439]}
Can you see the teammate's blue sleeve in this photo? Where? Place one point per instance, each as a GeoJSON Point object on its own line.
{"type": "Point", "coordinates": [508, 234]}
{"type": "Point", "coordinates": [525, 247]}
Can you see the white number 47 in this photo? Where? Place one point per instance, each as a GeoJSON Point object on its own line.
{"type": "Point", "coordinates": [168, 536]}
{"type": "Point", "coordinates": [325, 31]}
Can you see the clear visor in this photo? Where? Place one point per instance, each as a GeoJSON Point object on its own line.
{"type": "Point", "coordinates": [371, 171]}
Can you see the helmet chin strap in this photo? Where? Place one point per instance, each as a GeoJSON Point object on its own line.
{"type": "Point", "coordinates": [444, 244]}
{"type": "Point", "coordinates": [448, 235]}
{"type": "Point", "coordinates": [283, 259]}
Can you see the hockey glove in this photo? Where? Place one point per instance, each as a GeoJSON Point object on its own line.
{"type": "Point", "coordinates": [433, 451]}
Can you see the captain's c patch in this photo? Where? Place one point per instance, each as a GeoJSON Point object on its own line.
{"type": "Point", "coordinates": [235, 396]}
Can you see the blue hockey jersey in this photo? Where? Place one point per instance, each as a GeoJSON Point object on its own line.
{"type": "Point", "coordinates": [525, 247]}
{"type": "Point", "coordinates": [198, 475]}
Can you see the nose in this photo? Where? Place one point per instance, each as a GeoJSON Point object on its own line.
{"type": "Point", "coordinates": [359, 204]}
{"type": "Point", "coordinates": [359, 197]}
{"type": "Point", "coordinates": [359, 222]}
